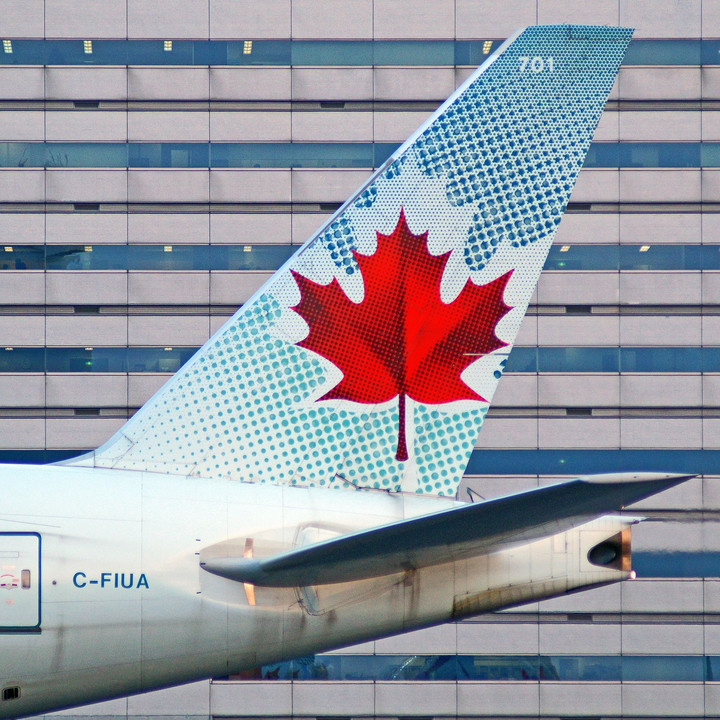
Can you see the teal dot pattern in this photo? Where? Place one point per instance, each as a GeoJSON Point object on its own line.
{"type": "Point", "coordinates": [487, 177]}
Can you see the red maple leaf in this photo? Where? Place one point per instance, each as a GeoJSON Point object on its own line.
{"type": "Point", "coordinates": [401, 340]}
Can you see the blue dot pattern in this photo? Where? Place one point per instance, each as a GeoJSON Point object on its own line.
{"type": "Point", "coordinates": [488, 177]}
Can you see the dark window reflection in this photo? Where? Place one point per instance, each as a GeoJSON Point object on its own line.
{"type": "Point", "coordinates": [495, 668]}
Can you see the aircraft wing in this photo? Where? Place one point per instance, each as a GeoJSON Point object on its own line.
{"type": "Point", "coordinates": [449, 535]}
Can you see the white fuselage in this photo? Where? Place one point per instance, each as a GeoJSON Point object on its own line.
{"type": "Point", "coordinates": [123, 605]}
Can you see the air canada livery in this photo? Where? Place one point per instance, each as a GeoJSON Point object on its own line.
{"type": "Point", "coordinates": [291, 489]}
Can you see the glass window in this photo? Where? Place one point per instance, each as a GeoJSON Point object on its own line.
{"type": "Point", "coordinates": [249, 257]}
{"type": "Point", "coordinates": [22, 257]}
{"type": "Point", "coordinates": [322, 52]}
{"type": "Point", "coordinates": [86, 359]}
{"type": "Point", "coordinates": [661, 359]}
{"type": "Point", "coordinates": [582, 257]}
{"type": "Point", "coordinates": [577, 359]}
{"type": "Point", "coordinates": [86, 257]}
{"type": "Point", "coordinates": [162, 360]}
{"type": "Point", "coordinates": [22, 359]}
{"type": "Point", "coordinates": [168, 257]}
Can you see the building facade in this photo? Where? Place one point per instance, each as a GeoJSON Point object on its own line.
{"type": "Point", "coordinates": [159, 161]}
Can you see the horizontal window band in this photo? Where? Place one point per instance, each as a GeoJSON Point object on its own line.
{"type": "Point", "coordinates": [588, 462]}
{"type": "Point", "coordinates": [257, 257]}
{"type": "Point", "coordinates": [351, 53]}
{"type": "Point", "coordinates": [564, 360]}
{"type": "Point", "coordinates": [309, 155]}
{"type": "Point", "coordinates": [498, 668]}
{"type": "Point", "coordinates": [499, 463]}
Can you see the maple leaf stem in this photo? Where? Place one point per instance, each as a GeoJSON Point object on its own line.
{"type": "Point", "coordinates": [402, 453]}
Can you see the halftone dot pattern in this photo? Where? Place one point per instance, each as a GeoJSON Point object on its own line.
{"type": "Point", "coordinates": [487, 179]}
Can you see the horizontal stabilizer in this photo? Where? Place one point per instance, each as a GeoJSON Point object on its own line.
{"type": "Point", "coordinates": [447, 536]}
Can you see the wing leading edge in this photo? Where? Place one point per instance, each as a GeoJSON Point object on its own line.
{"type": "Point", "coordinates": [447, 536]}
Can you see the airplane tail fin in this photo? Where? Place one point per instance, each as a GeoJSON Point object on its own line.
{"type": "Point", "coordinates": [370, 358]}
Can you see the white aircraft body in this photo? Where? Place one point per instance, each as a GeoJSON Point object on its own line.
{"type": "Point", "coordinates": [290, 489]}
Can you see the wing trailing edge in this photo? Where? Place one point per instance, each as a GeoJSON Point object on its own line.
{"type": "Point", "coordinates": [447, 536]}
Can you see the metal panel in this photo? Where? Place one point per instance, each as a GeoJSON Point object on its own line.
{"type": "Point", "coordinates": [326, 185]}
{"type": "Point", "coordinates": [168, 185]}
{"type": "Point", "coordinates": [22, 125]}
{"type": "Point", "coordinates": [566, 287]}
{"type": "Point", "coordinates": [661, 390]}
{"type": "Point", "coordinates": [327, 19]}
{"type": "Point", "coordinates": [95, 185]}
{"type": "Point", "coordinates": [508, 433]}
{"type": "Point", "coordinates": [86, 287]}
{"type": "Point", "coordinates": [20, 287]}
{"type": "Point", "coordinates": [167, 126]}
{"type": "Point", "coordinates": [591, 433]}
{"type": "Point", "coordinates": [497, 699]}
{"type": "Point", "coordinates": [168, 228]}
{"type": "Point", "coordinates": [74, 330]}
{"type": "Point", "coordinates": [22, 83]}
{"type": "Point", "coordinates": [86, 390]}
{"type": "Point", "coordinates": [86, 126]}
{"type": "Point", "coordinates": [516, 391]}
{"type": "Point", "coordinates": [598, 698]}
{"type": "Point", "coordinates": [25, 330]}
{"type": "Point", "coordinates": [175, 330]}
{"type": "Point", "coordinates": [408, 19]}
{"type": "Point", "coordinates": [261, 228]}
{"type": "Point", "coordinates": [660, 288]}
{"type": "Point", "coordinates": [232, 20]}
{"type": "Point", "coordinates": [578, 639]}
{"type": "Point", "coordinates": [597, 185]}
{"type": "Point", "coordinates": [564, 330]}
{"type": "Point", "coordinates": [333, 698]}
{"type": "Point", "coordinates": [348, 83]}
{"type": "Point", "coordinates": [659, 83]}
{"type": "Point", "coordinates": [168, 19]}
{"type": "Point", "coordinates": [660, 185]}
{"type": "Point", "coordinates": [23, 18]}
{"type": "Point", "coordinates": [240, 83]}
{"type": "Point", "coordinates": [578, 12]}
{"type": "Point", "coordinates": [85, 83]}
{"type": "Point", "coordinates": [22, 433]}
{"type": "Point", "coordinates": [436, 698]}
{"type": "Point", "coordinates": [255, 699]}
{"type": "Point", "coordinates": [158, 288]}
{"type": "Point", "coordinates": [662, 18]}
{"type": "Point", "coordinates": [680, 433]}
{"type": "Point", "coordinates": [142, 386]}
{"type": "Point", "coordinates": [494, 638]}
{"type": "Point", "coordinates": [588, 228]}
{"type": "Point", "coordinates": [656, 228]}
{"type": "Point", "coordinates": [414, 83]}
{"type": "Point", "coordinates": [397, 126]}
{"type": "Point", "coordinates": [79, 433]}
{"type": "Point", "coordinates": [22, 185]}
{"type": "Point", "coordinates": [186, 700]}
{"type": "Point", "coordinates": [168, 83]}
{"type": "Point", "coordinates": [234, 288]}
{"type": "Point", "coordinates": [663, 699]}
{"type": "Point", "coordinates": [661, 126]}
{"type": "Point", "coordinates": [84, 18]}
{"type": "Point", "coordinates": [250, 186]}
{"type": "Point", "coordinates": [493, 18]}
{"type": "Point", "coordinates": [24, 390]}
{"type": "Point", "coordinates": [20, 580]}
{"type": "Point", "coordinates": [586, 390]}
{"type": "Point", "coordinates": [663, 596]}
{"type": "Point", "coordinates": [332, 126]}
{"type": "Point", "coordinates": [87, 228]}
{"type": "Point", "coordinates": [23, 228]}
{"type": "Point", "coordinates": [238, 126]}
{"type": "Point", "coordinates": [438, 640]}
